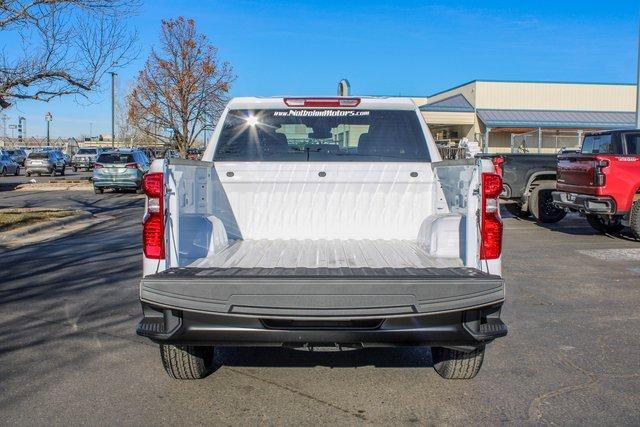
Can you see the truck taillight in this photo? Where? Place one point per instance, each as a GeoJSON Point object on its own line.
{"type": "Point", "coordinates": [600, 177]}
{"type": "Point", "coordinates": [153, 223]}
{"type": "Point", "coordinates": [491, 224]}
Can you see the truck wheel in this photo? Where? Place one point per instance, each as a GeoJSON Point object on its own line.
{"type": "Point", "coordinates": [98, 190]}
{"type": "Point", "coordinates": [186, 362]}
{"type": "Point", "coordinates": [515, 210]}
{"type": "Point", "coordinates": [634, 219]}
{"type": "Point", "coordinates": [605, 224]}
{"type": "Point", "coordinates": [3, 172]}
{"type": "Point", "coordinates": [541, 204]}
{"type": "Point", "coordinates": [455, 364]}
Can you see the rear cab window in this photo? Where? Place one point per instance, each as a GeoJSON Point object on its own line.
{"type": "Point", "coordinates": [605, 143]}
{"type": "Point", "coordinates": [322, 135]}
{"type": "Point", "coordinates": [40, 155]}
{"type": "Point", "coordinates": [116, 158]}
{"type": "Point", "coordinates": [632, 143]}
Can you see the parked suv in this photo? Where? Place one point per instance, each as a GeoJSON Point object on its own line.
{"type": "Point", "coordinates": [44, 162]}
{"type": "Point", "coordinates": [119, 170]}
{"type": "Point", "coordinates": [85, 158]}
{"type": "Point", "coordinates": [7, 165]}
{"type": "Point", "coordinates": [18, 155]}
{"type": "Point", "coordinates": [603, 181]}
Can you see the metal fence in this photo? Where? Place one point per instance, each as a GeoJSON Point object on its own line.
{"type": "Point", "coordinates": [552, 141]}
{"type": "Point", "coordinates": [452, 153]}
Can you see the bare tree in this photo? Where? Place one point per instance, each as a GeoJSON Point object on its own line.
{"type": "Point", "coordinates": [182, 88]}
{"type": "Point", "coordinates": [66, 46]}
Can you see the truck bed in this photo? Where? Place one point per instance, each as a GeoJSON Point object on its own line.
{"type": "Point", "coordinates": [322, 278]}
{"type": "Point", "coordinates": [324, 254]}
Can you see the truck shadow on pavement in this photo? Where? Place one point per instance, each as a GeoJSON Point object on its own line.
{"type": "Point", "coordinates": [68, 302]}
{"type": "Point", "coordinates": [572, 224]}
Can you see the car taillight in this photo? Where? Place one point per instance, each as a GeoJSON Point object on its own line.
{"type": "Point", "coordinates": [131, 166]}
{"type": "Point", "coordinates": [322, 102]}
{"type": "Point", "coordinates": [491, 224]}
{"type": "Point", "coordinates": [97, 166]}
{"type": "Point", "coordinates": [153, 223]}
{"type": "Point", "coordinates": [600, 177]}
{"type": "Point", "coordinates": [497, 164]}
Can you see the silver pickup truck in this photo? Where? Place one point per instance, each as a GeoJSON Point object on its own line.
{"type": "Point", "coordinates": [316, 222]}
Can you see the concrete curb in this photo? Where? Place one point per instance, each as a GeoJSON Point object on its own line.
{"type": "Point", "coordinates": [37, 228]}
{"type": "Point", "coordinates": [53, 187]}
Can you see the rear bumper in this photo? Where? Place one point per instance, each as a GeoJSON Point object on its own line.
{"type": "Point", "coordinates": [584, 203]}
{"type": "Point", "coordinates": [82, 165]}
{"type": "Point", "coordinates": [466, 329]}
{"type": "Point", "coordinates": [116, 183]}
{"type": "Point", "coordinates": [446, 309]}
{"type": "Point", "coordinates": [40, 169]}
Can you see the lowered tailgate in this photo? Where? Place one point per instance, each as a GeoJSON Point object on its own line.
{"type": "Point", "coordinates": [322, 292]}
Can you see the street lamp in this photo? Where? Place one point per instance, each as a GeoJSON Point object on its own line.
{"type": "Point", "coordinates": [48, 117]}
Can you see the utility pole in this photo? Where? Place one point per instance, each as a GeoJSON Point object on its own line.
{"type": "Point", "coordinates": [113, 109]}
{"type": "Point", "coordinates": [638, 85]}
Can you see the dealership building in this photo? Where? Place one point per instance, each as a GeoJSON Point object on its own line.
{"type": "Point", "coordinates": [534, 117]}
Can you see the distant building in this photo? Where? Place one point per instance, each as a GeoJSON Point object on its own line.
{"type": "Point", "coordinates": [506, 116]}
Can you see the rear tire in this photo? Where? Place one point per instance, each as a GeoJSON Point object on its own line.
{"type": "Point", "coordinates": [605, 224]}
{"type": "Point", "coordinates": [63, 172]}
{"type": "Point", "coordinates": [457, 365]}
{"type": "Point", "coordinates": [4, 172]}
{"type": "Point", "coordinates": [541, 204]}
{"type": "Point", "coordinates": [17, 171]}
{"type": "Point", "coordinates": [75, 169]}
{"type": "Point", "coordinates": [634, 219]}
{"type": "Point", "coordinates": [186, 362]}
{"type": "Point", "coordinates": [516, 210]}
{"type": "Point", "coordinates": [98, 190]}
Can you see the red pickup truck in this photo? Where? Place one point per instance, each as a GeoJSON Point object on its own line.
{"type": "Point", "coordinates": [603, 181]}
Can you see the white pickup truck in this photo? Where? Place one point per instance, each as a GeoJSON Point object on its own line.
{"type": "Point", "coordinates": [322, 222]}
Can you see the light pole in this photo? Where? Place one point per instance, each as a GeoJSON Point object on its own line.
{"type": "Point", "coordinates": [113, 109]}
{"type": "Point", "coordinates": [48, 117]}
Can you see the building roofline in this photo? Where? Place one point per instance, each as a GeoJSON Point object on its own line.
{"type": "Point", "coordinates": [434, 106]}
{"type": "Point", "coordinates": [553, 110]}
{"type": "Point", "coordinates": [557, 82]}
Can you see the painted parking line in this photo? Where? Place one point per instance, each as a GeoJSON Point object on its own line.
{"type": "Point", "coordinates": [628, 254]}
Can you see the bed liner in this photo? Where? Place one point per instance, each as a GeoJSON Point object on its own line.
{"type": "Point", "coordinates": [320, 253]}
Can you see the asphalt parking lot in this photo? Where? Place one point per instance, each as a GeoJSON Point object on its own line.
{"type": "Point", "coordinates": [8, 183]}
{"type": "Point", "coordinates": [69, 353]}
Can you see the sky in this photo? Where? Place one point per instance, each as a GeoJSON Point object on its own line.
{"type": "Point", "coordinates": [411, 48]}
